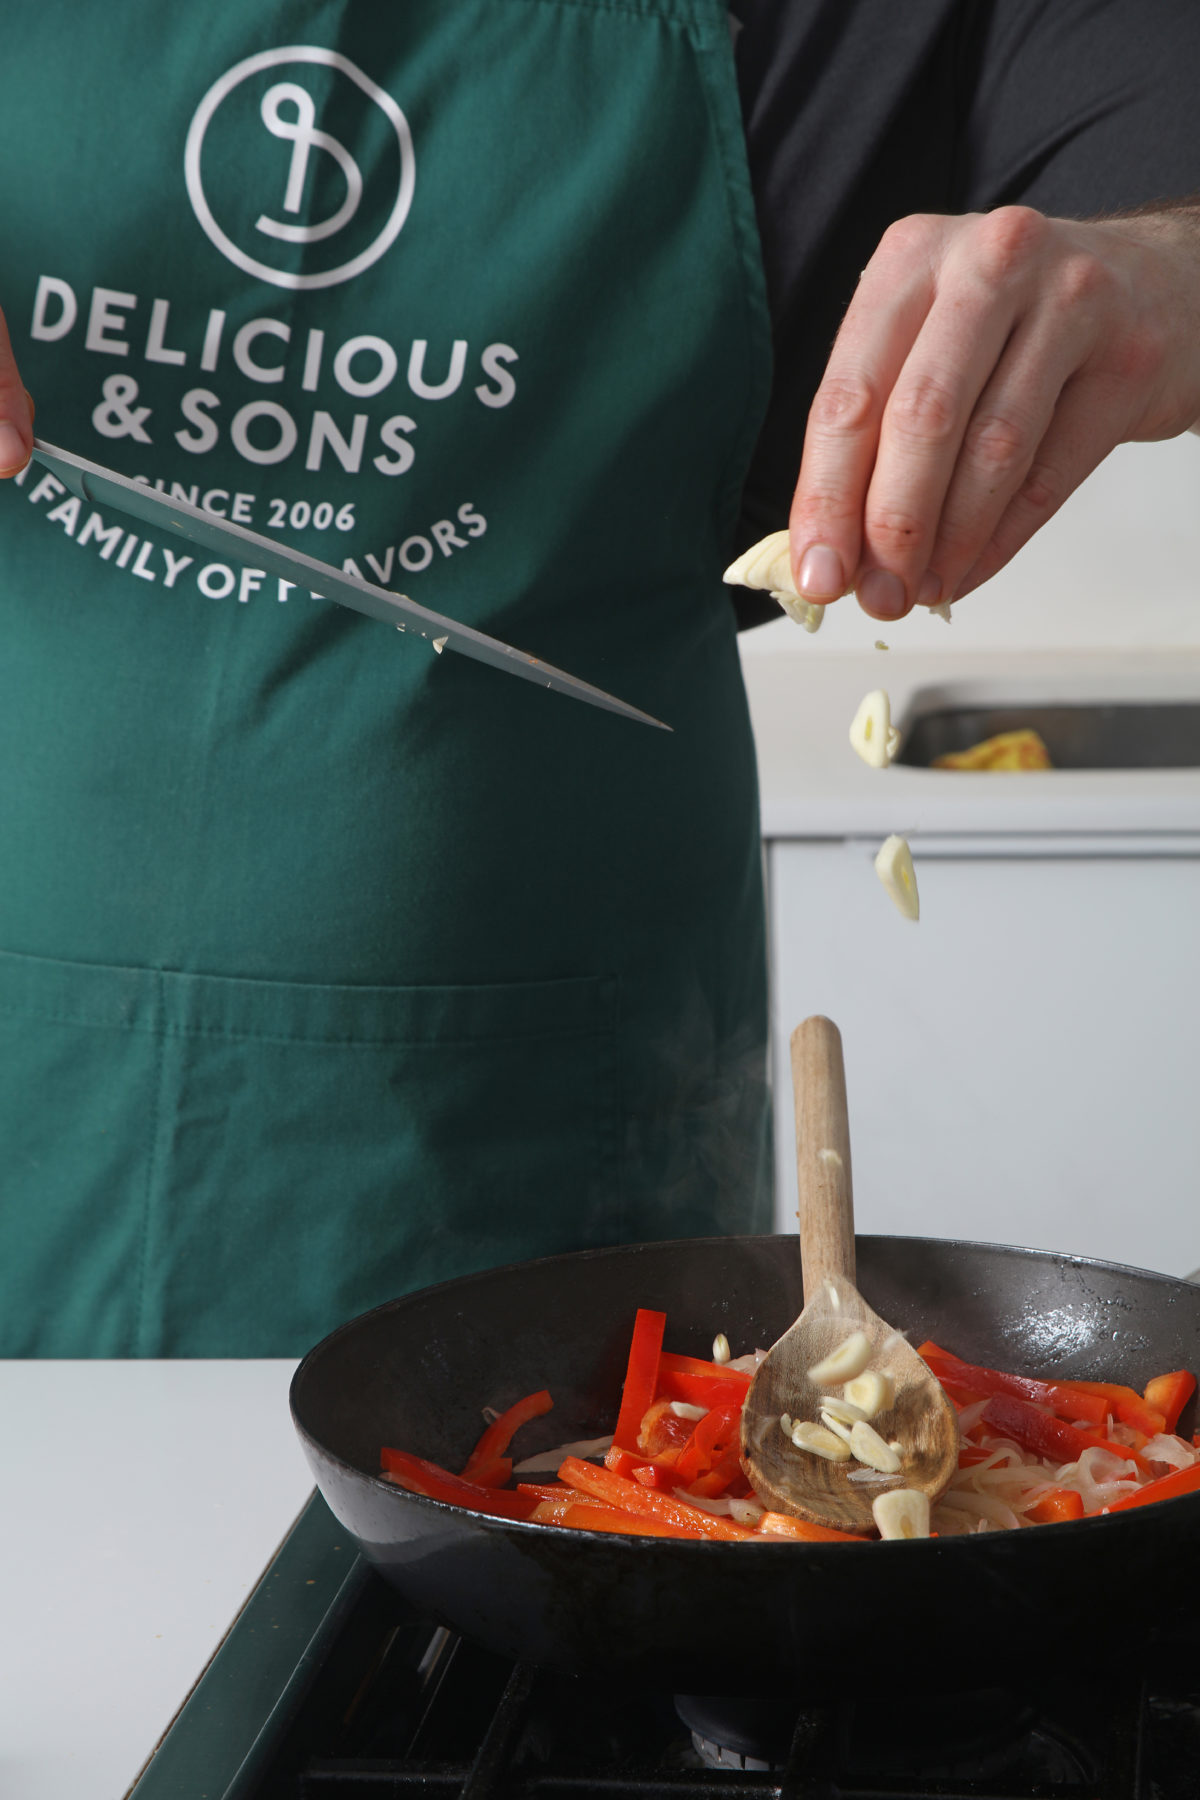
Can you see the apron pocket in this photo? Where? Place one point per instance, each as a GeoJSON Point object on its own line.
{"type": "Point", "coordinates": [280, 1156]}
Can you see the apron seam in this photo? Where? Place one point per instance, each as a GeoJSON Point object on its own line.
{"type": "Point", "coordinates": [683, 17]}
{"type": "Point", "coordinates": [737, 197]}
{"type": "Point", "coordinates": [356, 1041]}
{"type": "Point", "coordinates": [153, 1158]}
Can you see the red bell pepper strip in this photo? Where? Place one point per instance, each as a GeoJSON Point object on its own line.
{"type": "Point", "coordinates": [1168, 1394]}
{"type": "Point", "coordinates": [623, 1462]}
{"type": "Point", "coordinates": [1068, 1399]}
{"type": "Point", "coordinates": [1058, 1504]}
{"type": "Point", "coordinates": [545, 1490]}
{"type": "Point", "coordinates": [499, 1435]}
{"type": "Point", "coordinates": [724, 1472]}
{"type": "Point", "coordinates": [1129, 1407]}
{"type": "Point", "coordinates": [647, 1503]}
{"type": "Point", "coordinates": [587, 1515]}
{"type": "Point", "coordinates": [421, 1477]}
{"type": "Point", "coordinates": [784, 1525]}
{"type": "Point", "coordinates": [662, 1433]}
{"type": "Point", "coordinates": [1167, 1487]}
{"type": "Point", "coordinates": [1036, 1430]}
{"type": "Point", "coordinates": [700, 1383]}
{"type": "Point", "coordinates": [496, 1474]}
{"type": "Point", "coordinates": [712, 1437]}
{"type": "Point", "coordinates": [641, 1376]}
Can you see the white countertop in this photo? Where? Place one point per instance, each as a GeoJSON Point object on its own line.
{"type": "Point", "coordinates": [140, 1503]}
{"type": "Point", "coordinates": [813, 784]}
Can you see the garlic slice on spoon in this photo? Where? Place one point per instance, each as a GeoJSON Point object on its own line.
{"type": "Point", "coordinates": [920, 1418]}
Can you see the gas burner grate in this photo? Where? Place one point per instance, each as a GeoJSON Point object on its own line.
{"type": "Point", "coordinates": [328, 1687]}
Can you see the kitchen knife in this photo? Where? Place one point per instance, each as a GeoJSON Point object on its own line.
{"type": "Point", "coordinates": [104, 487]}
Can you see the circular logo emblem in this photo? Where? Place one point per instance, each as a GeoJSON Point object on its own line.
{"type": "Point", "coordinates": [287, 199]}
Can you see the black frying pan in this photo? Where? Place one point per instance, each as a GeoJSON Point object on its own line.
{"type": "Point", "coordinates": [747, 1618]}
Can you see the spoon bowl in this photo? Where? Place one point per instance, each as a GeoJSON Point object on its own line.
{"type": "Point", "coordinates": [917, 1420]}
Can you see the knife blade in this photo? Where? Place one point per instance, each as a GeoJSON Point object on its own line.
{"type": "Point", "coordinates": [105, 487]}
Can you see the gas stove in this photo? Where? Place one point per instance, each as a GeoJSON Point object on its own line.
{"type": "Point", "coordinates": [328, 1686]}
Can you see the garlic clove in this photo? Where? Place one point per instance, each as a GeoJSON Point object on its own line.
{"type": "Point", "coordinates": [820, 1441]}
{"type": "Point", "coordinates": [843, 1364]}
{"type": "Point", "coordinates": [845, 1411]}
{"type": "Point", "coordinates": [902, 1513]}
{"type": "Point", "coordinates": [894, 867]}
{"type": "Point", "coordinates": [867, 1445]}
{"type": "Point", "coordinates": [872, 734]}
{"type": "Point", "coordinates": [767, 564]}
{"type": "Point", "coordinates": [870, 1393]}
{"type": "Point", "coordinates": [838, 1428]}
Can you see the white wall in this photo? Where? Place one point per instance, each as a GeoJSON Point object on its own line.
{"type": "Point", "coordinates": [1118, 565]}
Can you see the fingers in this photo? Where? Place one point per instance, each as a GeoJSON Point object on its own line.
{"type": "Point", "coordinates": [16, 411]}
{"type": "Point", "coordinates": [936, 433]}
{"type": "Point", "coordinates": [931, 446]}
{"type": "Point", "coordinates": [844, 423]}
{"type": "Point", "coordinates": [1071, 449]}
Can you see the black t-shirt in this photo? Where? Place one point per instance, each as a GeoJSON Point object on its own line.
{"type": "Point", "coordinates": [859, 112]}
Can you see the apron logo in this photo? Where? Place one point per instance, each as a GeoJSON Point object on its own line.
{"type": "Point", "coordinates": [254, 136]}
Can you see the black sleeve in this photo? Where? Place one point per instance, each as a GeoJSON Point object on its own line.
{"type": "Point", "coordinates": [1082, 107]}
{"type": "Point", "coordinates": [858, 112]}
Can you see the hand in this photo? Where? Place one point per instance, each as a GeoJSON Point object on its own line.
{"type": "Point", "coordinates": [16, 411]}
{"type": "Point", "coordinates": [985, 366]}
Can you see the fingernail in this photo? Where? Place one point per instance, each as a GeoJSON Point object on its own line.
{"type": "Point", "coordinates": [821, 576]}
{"type": "Point", "coordinates": [882, 594]}
{"type": "Point", "coordinates": [929, 590]}
{"type": "Point", "coordinates": [13, 454]}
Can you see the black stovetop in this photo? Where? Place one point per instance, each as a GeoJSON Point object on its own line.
{"type": "Point", "coordinates": [329, 1687]}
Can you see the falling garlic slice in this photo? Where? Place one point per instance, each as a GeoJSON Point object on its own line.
{"type": "Point", "coordinates": [768, 564]}
{"type": "Point", "coordinates": [894, 867]}
{"type": "Point", "coordinates": [843, 1364]}
{"type": "Point", "coordinates": [872, 733]}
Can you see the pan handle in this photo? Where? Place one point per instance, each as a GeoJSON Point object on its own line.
{"type": "Point", "coordinates": [826, 1211]}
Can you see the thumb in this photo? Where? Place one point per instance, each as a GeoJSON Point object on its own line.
{"type": "Point", "coordinates": [16, 411]}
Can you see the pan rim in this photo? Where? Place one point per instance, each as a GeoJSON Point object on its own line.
{"type": "Point", "coordinates": [319, 1453]}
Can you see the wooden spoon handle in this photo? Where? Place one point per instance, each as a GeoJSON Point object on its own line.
{"type": "Point", "coordinates": [826, 1211]}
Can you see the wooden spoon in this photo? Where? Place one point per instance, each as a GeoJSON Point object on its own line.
{"type": "Point", "coordinates": [921, 1419]}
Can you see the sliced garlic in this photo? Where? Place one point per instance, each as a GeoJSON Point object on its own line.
{"type": "Point", "coordinates": [872, 733]}
{"type": "Point", "coordinates": [844, 1410]}
{"type": "Point", "coordinates": [439, 644]}
{"type": "Point", "coordinates": [894, 867]}
{"type": "Point", "coordinates": [902, 1513]}
{"type": "Point", "coordinates": [942, 609]}
{"type": "Point", "coordinates": [768, 564]}
{"type": "Point", "coordinates": [683, 1409]}
{"type": "Point", "coordinates": [820, 1441]}
{"type": "Point", "coordinates": [804, 612]}
{"type": "Point", "coordinates": [721, 1351]}
{"type": "Point", "coordinates": [843, 1364]}
{"type": "Point", "coordinates": [870, 1448]}
{"type": "Point", "coordinates": [870, 1393]}
{"type": "Point", "coordinates": [880, 645]}
{"type": "Point", "coordinates": [835, 1425]}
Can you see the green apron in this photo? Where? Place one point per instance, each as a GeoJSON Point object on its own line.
{"type": "Point", "coordinates": [330, 967]}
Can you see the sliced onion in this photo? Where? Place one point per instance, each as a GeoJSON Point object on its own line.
{"type": "Point", "coordinates": [970, 1416]}
{"type": "Point", "coordinates": [747, 1511]}
{"type": "Point", "coordinates": [748, 1364]}
{"type": "Point", "coordinates": [550, 1459]}
{"type": "Point", "coordinates": [981, 1506]}
{"type": "Point", "coordinates": [719, 1504]}
{"type": "Point", "coordinates": [1168, 1449]}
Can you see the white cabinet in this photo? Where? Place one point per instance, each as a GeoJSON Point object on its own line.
{"type": "Point", "coordinates": [1023, 1065]}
